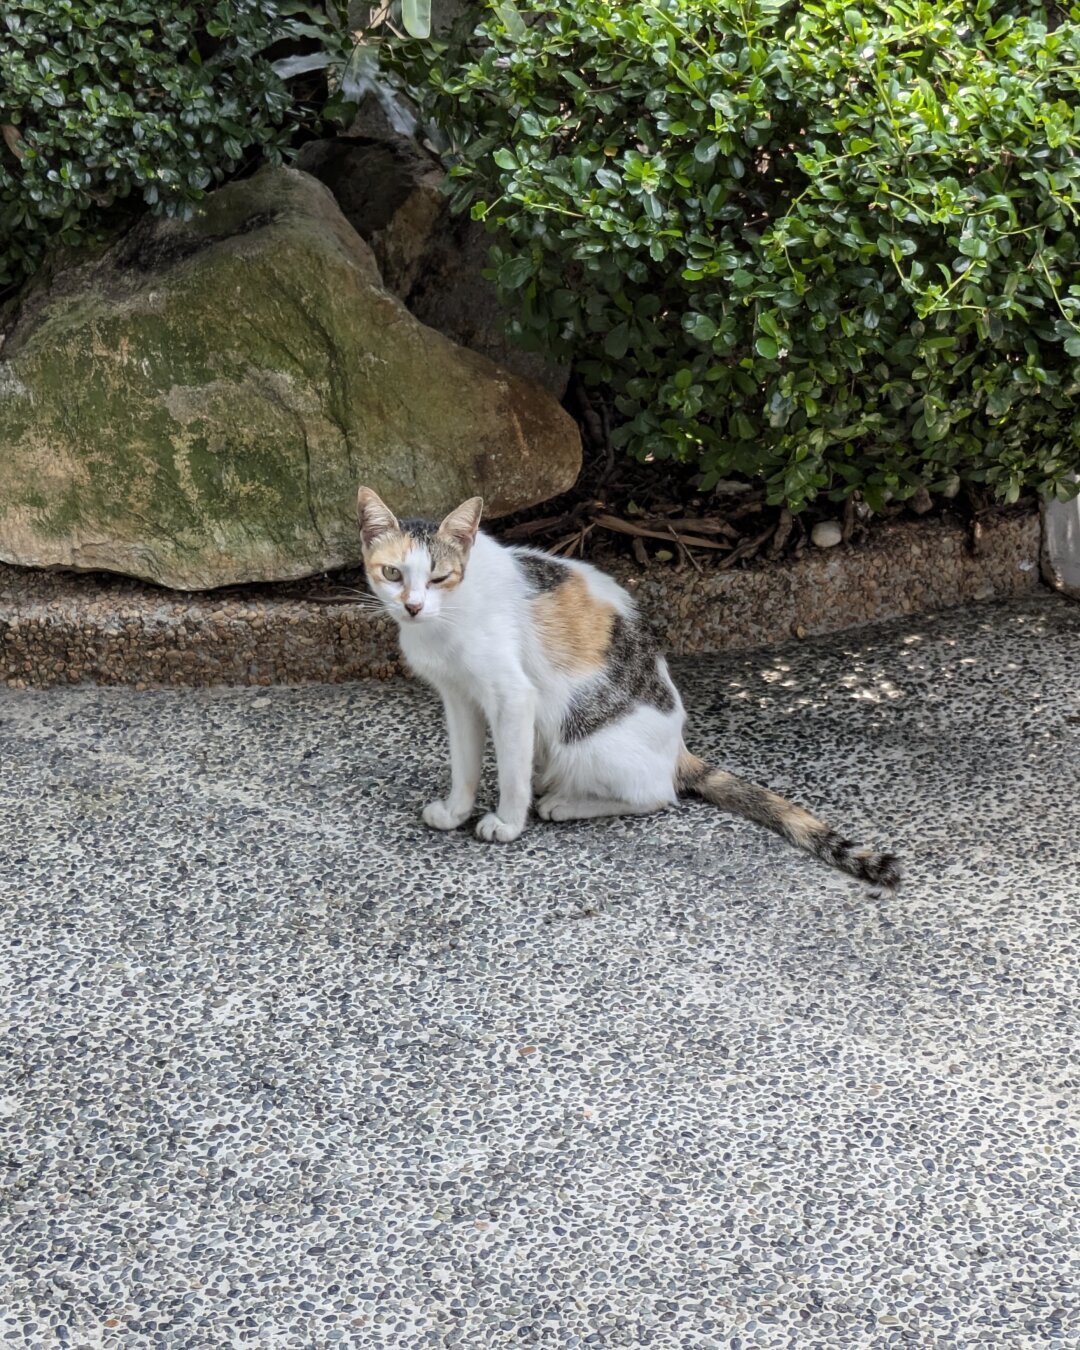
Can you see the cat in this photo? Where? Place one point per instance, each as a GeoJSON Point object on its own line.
{"type": "Point", "coordinates": [550, 653]}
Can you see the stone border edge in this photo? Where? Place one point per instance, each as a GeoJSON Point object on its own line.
{"type": "Point", "coordinates": [62, 628]}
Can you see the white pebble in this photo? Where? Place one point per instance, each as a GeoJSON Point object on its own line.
{"type": "Point", "coordinates": [827, 533]}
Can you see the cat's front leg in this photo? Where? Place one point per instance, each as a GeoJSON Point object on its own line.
{"type": "Point", "coordinates": [465, 732]}
{"type": "Point", "coordinates": [513, 719]}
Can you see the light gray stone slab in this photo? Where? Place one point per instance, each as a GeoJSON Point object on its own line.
{"type": "Point", "coordinates": [1061, 546]}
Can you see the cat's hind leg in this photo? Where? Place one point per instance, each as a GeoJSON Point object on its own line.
{"type": "Point", "coordinates": [555, 806]}
{"type": "Point", "coordinates": [624, 768]}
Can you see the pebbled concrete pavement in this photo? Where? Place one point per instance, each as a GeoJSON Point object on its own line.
{"type": "Point", "coordinates": [283, 1068]}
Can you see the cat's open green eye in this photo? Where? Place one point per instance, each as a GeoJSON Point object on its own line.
{"type": "Point", "coordinates": [392, 573]}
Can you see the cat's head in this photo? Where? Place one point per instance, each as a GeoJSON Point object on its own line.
{"type": "Point", "coordinates": [414, 566]}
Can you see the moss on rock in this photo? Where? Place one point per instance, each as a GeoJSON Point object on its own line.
{"type": "Point", "coordinates": [197, 406]}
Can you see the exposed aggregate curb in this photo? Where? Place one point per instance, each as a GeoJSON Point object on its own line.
{"type": "Point", "coordinates": [63, 628]}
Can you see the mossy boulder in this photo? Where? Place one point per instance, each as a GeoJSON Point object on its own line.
{"type": "Point", "coordinates": [196, 405]}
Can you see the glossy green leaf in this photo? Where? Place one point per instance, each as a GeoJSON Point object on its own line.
{"type": "Point", "coordinates": [416, 17]}
{"type": "Point", "coordinates": [617, 340]}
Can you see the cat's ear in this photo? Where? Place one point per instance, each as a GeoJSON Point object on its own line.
{"type": "Point", "coordinates": [463, 522]}
{"type": "Point", "coordinates": [374, 516]}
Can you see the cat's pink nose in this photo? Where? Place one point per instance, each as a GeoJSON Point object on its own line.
{"type": "Point", "coordinates": [414, 610]}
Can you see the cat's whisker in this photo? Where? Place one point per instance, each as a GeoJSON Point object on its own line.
{"type": "Point", "coordinates": [362, 601]}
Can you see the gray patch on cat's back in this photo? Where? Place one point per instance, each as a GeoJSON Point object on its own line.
{"type": "Point", "coordinates": [542, 571]}
{"type": "Point", "coordinates": [631, 677]}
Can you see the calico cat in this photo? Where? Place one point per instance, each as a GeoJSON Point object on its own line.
{"type": "Point", "coordinates": [551, 654]}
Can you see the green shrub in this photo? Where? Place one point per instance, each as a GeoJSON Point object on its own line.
{"type": "Point", "coordinates": [103, 98]}
{"type": "Point", "coordinates": [830, 244]}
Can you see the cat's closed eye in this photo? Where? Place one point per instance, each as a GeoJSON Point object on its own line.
{"type": "Point", "coordinates": [392, 573]}
{"type": "Point", "coordinates": [437, 581]}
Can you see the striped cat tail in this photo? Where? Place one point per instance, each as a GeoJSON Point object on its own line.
{"type": "Point", "coordinates": [881, 871]}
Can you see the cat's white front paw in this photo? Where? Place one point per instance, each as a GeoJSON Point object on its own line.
{"type": "Point", "coordinates": [439, 816]}
{"type": "Point", "coordinates": [493, 830]}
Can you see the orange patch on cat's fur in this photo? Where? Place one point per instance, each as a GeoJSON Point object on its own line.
{"type": "Point", "coordinates": [390, 551]}
{"type": "Point", "coordinates": [573, 625]}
